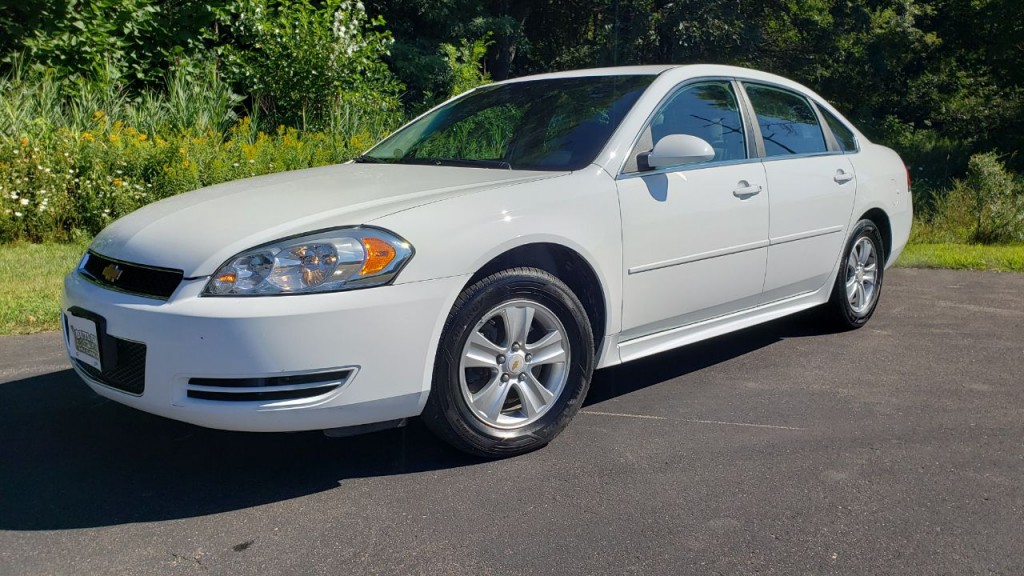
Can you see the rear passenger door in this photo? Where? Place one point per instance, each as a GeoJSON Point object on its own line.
{"type": "Point", "coordinates": [811, 189]}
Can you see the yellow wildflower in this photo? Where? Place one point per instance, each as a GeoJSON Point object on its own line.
{"type": "Point", "coordinates": [24, 142]}
{"type": "Point", "coordinates": [98, 115]}
{"type": "Point", "coordinates": [118, 182]}
{"type": "Point", "coordinates": [141, 138]}
{"type": "Point", "coordinates": [87, 137]}
{"type": "Point", "coordinates": [113, 138]}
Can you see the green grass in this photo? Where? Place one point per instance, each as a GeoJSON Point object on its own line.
{"type": "Point", "coordinates": [31, 279]}
{"type": "Point", "coordinates": [31, 275]}
{"type": "Point", "coordinates": [963, 257]}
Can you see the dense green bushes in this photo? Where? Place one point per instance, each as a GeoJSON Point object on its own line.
{"type": "Point", "coordinates": [72, 184]}
{"type": "Point", "coordinates": [72, 163]}
{"type": "Point", "coordinates": [108, 104]}
{"type": "Point", "coordinates": [984, 207]}
{"type": "Point", "coordinates": [298, 60]}
{"type": "Point", "coordinates": [90, 132]}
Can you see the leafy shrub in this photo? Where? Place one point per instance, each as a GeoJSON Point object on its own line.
{"type": "Point", "coordinates": [83, 39]}
{"type": "Point", "coordinates": [986, 207]}
{"type": "Point", "coordinates": [71, 161]}
{"type": "Point", "coordinates": [299, 60]}
{"type": "Point", "coordinates": [465, 65]}
{"type": "Point", "coordinates": [72, 184]}
{"type": "Point", "coordinates": [995, 198]}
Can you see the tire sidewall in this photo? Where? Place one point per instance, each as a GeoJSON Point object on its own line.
{"type": "Point", "coordinates": [531, 285]}
{"type": "Point", "coordinates": [863, 229]}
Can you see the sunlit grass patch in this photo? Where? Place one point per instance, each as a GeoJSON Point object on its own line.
{"type": "Point", "coordinates": [963, 257]}
{"type": "Point", "coordinates": [31, 278]}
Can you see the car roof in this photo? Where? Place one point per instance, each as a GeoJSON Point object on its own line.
{"type": "Point", "coordinates": [679, 72]}
{"type": "Point", "coordinates": [651, 70]}
{"type": "Point", "coordinates": [657, 69]}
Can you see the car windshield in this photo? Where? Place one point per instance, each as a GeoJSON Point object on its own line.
{"type": "Point", "coordinates": [555, 124]}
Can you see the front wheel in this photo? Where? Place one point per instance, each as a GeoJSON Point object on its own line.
{"type": "Point", "coordinates": [513, 365]}
{"type": "Point", "coordinates": [859, 282]}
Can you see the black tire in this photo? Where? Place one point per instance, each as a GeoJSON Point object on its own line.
{"type": "Point", "coordinates": [448, 414]}
{"type": "Point", "coordinates": [839, 311]}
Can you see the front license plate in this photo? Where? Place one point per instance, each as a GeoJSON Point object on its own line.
{"type": "Point", "coordinates": [85, 341]}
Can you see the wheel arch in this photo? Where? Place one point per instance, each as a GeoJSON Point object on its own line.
{"type": "Point", "coordinates": [567, 265]}
{"type": "Point", "coordinates": [881, 220]}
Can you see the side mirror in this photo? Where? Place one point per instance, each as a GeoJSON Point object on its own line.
{"type": "Point", "coordinates": [678, 150]}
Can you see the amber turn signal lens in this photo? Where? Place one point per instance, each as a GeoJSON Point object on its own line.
{"type": "Point", "coordinates": [378, 255]}
{"type": "Point", "coordinates": [227, 278]}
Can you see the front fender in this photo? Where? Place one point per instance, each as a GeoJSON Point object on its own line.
{"type": "Point", "coordinates": [458, 236]}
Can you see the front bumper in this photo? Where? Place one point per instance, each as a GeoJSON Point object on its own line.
{"type": "Point", "coordinates": [383, 338]}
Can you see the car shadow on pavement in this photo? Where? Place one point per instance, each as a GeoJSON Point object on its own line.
{"type": "Point", "coordinates": [639, 374]}
{"type": "Point", "coordinates": [72, 459]}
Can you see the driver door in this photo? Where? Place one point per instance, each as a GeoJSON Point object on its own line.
{"type": "Point", "coordinates": [695, 237]}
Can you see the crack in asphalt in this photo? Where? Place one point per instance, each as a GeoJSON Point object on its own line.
{"type": "Point", "coordinates": [692, 420]}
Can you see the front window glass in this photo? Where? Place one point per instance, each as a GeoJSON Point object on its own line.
{"type": "Point", "coordinates": [788, 123]}
{"type": "Point", "coordinates": [708, 110]}
{"type": "Point", "coordinates": [556, 124]}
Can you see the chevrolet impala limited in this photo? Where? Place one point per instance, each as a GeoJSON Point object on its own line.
{"type": "Point", "coordinates": [478, 265]}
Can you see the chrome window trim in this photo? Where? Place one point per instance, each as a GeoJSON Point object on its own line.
{"type": "Point", "coordinates": [686, 168]}
{"type": "Point", "coordinates": [806, 155]}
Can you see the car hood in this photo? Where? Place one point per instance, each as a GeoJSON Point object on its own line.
{"type": "Point", "coordinates": [198, 231]}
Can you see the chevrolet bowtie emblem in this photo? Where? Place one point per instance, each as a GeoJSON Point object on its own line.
{"type": "Point", "coordinates": [112, 272]}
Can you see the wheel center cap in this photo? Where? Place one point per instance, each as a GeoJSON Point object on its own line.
{"type": "Point", "coordinates": [860, 274]}
{"type": "Point", "coordinates": [515, 363]}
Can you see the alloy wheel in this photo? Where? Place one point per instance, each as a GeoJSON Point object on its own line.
{"type": "Point", "coordinates": [514, 364]}
{"type": "Point", "coordinates": [862, 276]}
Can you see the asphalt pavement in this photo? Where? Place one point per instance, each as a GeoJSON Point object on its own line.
{"type": "Point", "coordinates": [782, 449]}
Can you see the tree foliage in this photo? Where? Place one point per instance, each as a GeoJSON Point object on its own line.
{"type": "Point", "coordinates": [296, 59]}
{"type": "Point", "coordinates": [941, 79]}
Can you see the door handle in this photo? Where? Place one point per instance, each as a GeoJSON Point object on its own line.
{"type": "Point", "coordinates": [745, 190]}
{"type": "Point", "coordinates": [842, 177]}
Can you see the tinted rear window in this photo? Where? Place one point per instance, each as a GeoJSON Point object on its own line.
{"type": "Point", "coordinates": [787, 121]}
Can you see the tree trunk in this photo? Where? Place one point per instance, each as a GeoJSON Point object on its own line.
{"type": "Point", "coordinates": [513, 14]}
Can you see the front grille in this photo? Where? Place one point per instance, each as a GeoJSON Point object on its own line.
{"type": "Point", "coordinates": [128, 370]}
{"type": "Point", "coordinates": [267, 389]}
{"type": "Point", "coordinates": [132, 278]}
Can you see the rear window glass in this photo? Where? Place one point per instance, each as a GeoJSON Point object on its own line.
{"type": "Point", "coordinates": [787, 121]}
{"type": "Point", "coordinates": [844, 136]}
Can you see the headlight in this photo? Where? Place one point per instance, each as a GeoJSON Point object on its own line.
{"type": "Point", "coordinates": [330, 261]}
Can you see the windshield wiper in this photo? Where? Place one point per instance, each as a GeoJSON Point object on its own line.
{"type": "Point", "coordinates": [463, 162]}
{"type": "Point", "coordinates": [364, 159]}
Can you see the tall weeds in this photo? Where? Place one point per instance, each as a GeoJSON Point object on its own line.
{"type": "Point", "coordinates": [37, 104]}
{"type": "Point", "coordinates": [74, 157]}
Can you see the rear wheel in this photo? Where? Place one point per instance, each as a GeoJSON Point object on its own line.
{"type": "Point", "coordinates": [513, 365]}
{"type": "Point", "coordinates": [859, 282]}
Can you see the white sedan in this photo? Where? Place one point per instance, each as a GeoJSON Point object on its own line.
{"type": "Point", "coordinates": [478, 265]}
